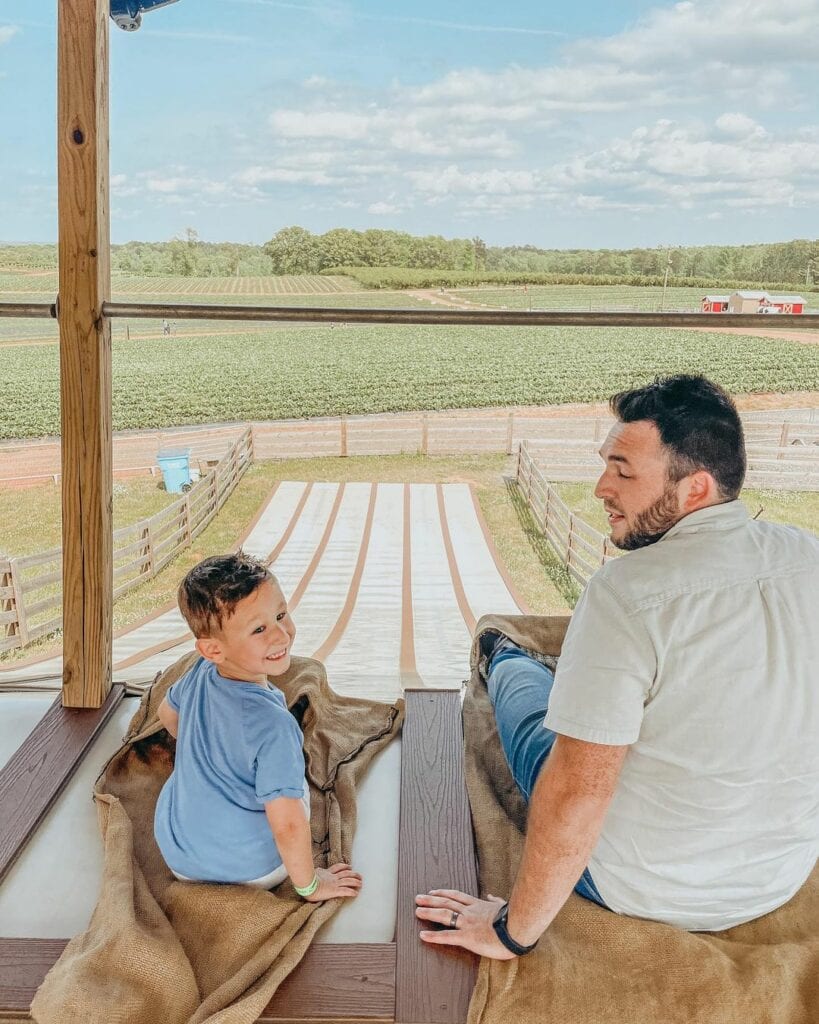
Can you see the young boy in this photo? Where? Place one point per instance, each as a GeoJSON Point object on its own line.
{"type": "Point", "coordinates": [236, 807]}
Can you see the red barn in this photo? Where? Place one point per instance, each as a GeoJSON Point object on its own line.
{"type": "Point", "coordinates": [715, 304]}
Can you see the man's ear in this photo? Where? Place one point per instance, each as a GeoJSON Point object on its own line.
{"type": "Point", "coordinates": [699, 491]}
{"type": "Point", "coordinates": [209, 647]}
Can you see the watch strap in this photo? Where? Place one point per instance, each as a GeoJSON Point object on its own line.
{"type": "Point", "coordinates": [499, 925]}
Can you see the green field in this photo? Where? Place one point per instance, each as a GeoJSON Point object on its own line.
{"type": "Point", "coordinates": [323, 371]}
{"type": "Point", "coordinates": [305, 284]}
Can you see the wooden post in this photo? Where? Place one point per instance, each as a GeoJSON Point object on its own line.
{"type": "Point", "coordinates": [424, 434]}
{"type": "Point", "coordinates": [510, 430]}
{"type": "Point", "coordinates": [343, 439]}
{"type": "Point", "coordinates": [19, 602]}
{"type": "Point", "coordinates": [85, 350]}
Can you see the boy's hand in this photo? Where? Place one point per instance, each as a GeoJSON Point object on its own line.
{"type": "Point", "coordinates": [338, 881]}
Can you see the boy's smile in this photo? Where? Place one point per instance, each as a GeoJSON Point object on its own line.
{"type": "Point", "coordinates": [255, 641]}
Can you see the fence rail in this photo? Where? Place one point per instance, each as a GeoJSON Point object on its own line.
{"type": "Point", "coordinates": [31, 585]}
{"type": "Point", "coordinates": [580, 547]}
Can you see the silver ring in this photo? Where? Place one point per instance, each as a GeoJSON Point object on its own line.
{"type": "Point", "coordinates": [453, 921]}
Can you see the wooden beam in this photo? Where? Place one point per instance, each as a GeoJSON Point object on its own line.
{"type": "Point", "coordinates": [37, 773]}
{"type": "Point", "coordinates": [436, 850]}
{"type": "Point", "coordinates": [85, 350]}
{"type": "Point", "coordinates": [332, 982]}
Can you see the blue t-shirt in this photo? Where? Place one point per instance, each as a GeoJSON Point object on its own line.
{"type": "Point", "coordinates": [237, 748]}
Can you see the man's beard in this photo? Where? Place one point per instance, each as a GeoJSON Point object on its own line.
{"type": "Point", "coordinates": [653, 522]}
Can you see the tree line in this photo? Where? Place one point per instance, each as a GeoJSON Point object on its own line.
{"type": "Point", "coordinates": [295, 250]}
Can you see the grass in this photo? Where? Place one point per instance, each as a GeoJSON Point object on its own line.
{"type": "Point", "coordinates": [31, 516]}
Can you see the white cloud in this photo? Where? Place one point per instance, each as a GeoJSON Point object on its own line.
{"type": "Point", "coordinates": [7, 32]}
{"type": "Point", "coordinates": [382, 209]}
{"type": "Point", "coordinates": [319, 124]}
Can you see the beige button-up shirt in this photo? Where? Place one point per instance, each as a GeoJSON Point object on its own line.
{"type": "Point", "coordinates": [702, 652]}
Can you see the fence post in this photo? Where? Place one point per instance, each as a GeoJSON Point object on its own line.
{"type": "Point", "coordinates": [147, 535]}
{"type": "Point", "coordinates": [19, 602]}
{"type": "Point", "coordinates": [424, 434]}
{"type": "Point", "coordinates": [569, 540]}
{"type": "Point", "coordinates": [343, 442]}
{"type": "Point", "coordinates": [188, 532]}
{"type": "Point", "coordinates": [509, 431]}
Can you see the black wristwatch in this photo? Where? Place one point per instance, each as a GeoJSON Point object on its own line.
{"type": "Point", "coordinates": [499, 924]}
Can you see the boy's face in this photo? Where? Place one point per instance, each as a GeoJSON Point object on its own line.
{"type": "Point", "coordinates": [255, 641]}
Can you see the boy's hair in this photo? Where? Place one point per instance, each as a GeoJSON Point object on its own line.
{"type": "Point", "coordinates": [698, 424]}
{"type": "Point", "coordinates": [210, 592]}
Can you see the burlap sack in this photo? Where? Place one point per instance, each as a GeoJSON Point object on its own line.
{"type": "Point", "coordinates": [596, 967]}
{"type": "Point", "coordinates": [159, 951]}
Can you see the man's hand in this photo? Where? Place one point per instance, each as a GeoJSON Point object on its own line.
{"type": "Point", "coordinates": [472, 920]}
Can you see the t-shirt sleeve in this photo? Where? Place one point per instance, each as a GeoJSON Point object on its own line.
{"type": "Point", "coordinates": [175, 693]}
{"type": "Point", "coordinates": [605, 671]}
{"type": "Point", "coordinates": [279, 757]}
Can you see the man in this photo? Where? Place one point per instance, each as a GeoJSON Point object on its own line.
{"type": "Point", "coordinates": [672, 764]}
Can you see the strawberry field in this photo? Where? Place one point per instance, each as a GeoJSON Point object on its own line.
{"type": "Point", "coordinates": [321, 371]}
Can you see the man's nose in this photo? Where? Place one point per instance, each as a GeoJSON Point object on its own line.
{"type": "Point", "coordinates": [603, 486]}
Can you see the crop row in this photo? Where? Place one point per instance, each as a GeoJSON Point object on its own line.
{"type": "Point", "coordinates": [317, 371]}
{"type": "Point", "coordinates": [306, 284]}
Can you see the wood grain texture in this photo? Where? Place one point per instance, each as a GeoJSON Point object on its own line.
{"type": "Point", "coordinates": [85, 349]}
{"type": "Point", "coordinates": [333, 982]}
{"type": "Point", "coordinates": [433, 986]}
{"type": "Point", "coordinates": [36, 774]}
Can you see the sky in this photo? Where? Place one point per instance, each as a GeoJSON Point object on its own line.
{"type": "Point", "coordinates": [581, 125]}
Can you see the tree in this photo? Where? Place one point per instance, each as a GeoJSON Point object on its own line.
{"type": "Point", "coordinates": [293, 250]}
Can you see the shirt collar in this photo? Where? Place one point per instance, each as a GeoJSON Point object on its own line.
{"type": "Point", "coordinates": [726, 516]}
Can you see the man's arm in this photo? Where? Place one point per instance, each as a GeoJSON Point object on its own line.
{"type": "Point", "coordinates": [566, 814]}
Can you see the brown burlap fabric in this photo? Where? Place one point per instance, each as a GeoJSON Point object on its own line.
{"type": "Point", "coordinates": [596, 967]}
{"type": "Point", "coordinates": [159, 951]}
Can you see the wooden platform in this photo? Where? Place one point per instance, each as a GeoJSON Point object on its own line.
{"type": "Point", "coordinates": [402, 981]}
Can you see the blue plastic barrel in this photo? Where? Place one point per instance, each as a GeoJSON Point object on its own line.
{"type": "Point", "coordinates": [175, 464]}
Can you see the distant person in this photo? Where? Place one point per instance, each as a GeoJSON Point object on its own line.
{"type": "Point", "coordinates": [237, 807]}
{"type": "Point", "coordinates": [166, 327]}
{"type": "Point", "coordinates": [671, 764]}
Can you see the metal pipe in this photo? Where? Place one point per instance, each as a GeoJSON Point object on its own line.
{"type": "Point", "coordinates": [29, 309]}
{"type": "Point", "coordinates": [460, 317]}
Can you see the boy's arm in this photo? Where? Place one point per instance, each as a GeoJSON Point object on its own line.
{"type": "Point", "coordinates": [291, 830]}
{"type": "Point", "coordinates": [168, 717]}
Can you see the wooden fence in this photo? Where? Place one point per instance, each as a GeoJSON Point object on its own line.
{"type": "Point", "coordinates": [31, 585]}
{"type": "Point", "coordinates": [787, 467]}
{"type": "Point", "coordinates": [454, 432]}
{"type": "Point", "coordinates": [580, 547]}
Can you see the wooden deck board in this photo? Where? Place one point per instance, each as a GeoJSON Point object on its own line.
{"type": "Point", "coordinates": [433, 985]}
{"type": "Point", "coordinates": [36, 774]}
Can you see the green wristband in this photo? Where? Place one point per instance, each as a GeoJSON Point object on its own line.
{"type": "Point", "coordinates": [308, 890]}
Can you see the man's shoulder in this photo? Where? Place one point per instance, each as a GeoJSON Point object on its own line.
{"type": "Point", "coordinates": [705, 561]}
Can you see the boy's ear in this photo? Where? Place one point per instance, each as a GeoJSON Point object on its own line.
{"type": "Point", "coordinates": [210, 648]}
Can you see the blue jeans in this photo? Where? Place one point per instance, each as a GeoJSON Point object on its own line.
{"type": "Point", "coordinates": [519, 688]}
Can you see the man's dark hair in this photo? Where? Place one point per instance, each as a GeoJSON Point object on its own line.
{"type": "Point", "coordinates": [698, 424]}
{"type": "Point", "coordinates": [211, 590]}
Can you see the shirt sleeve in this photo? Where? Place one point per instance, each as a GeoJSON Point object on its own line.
{"type": "Point", "coordinates": [279, 758]}
{"type": "Point", "coordinates": [605, 671]}
{"type": "Point", "coordinates": [175, 693]}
